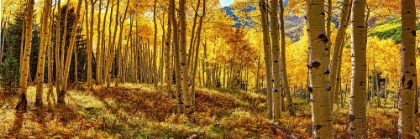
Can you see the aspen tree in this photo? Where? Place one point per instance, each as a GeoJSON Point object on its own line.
{"type": "Point", "coordinates": [50, 56]}
{"type": "Point", "coordinates": [76, 65]}
{"type": "Point", "coordinates": [120, 38]}
{"type": "Point", "coordinates": [22, 41]}
{"type": "Point", "coordinates": [175, 42]}
{"type": "Point", "coordinates": [257, 82]}
{"type": "Point", "coordinates": [63, 44]}
{"type": "Point", "coordinates": [90, 43]}
{"type": "Point", "coordinates": [41, 55]}
{"type": "Point", "coordinates": [111, 53]}
{"type": "Point", "coordinates": [193, 37]}
{"type": "Point", "coordinates": [408, 82]}
{"type": "Point", "coordinates": [99, 46]}
{"type": "Point", "coordinates": [162, 49]}
{"type": "Point", "coordinates": [338, 48]}
{"type": "Point", "coordinates": [107, 71]}
{"type": "Point", "coordinates": [183, 56]}
{"type": "Point", "coordinates": [285, 82]}
{"type": "Point", "coordinates": [328, 33]}
{"type": "Point", "coordinates": [194, 72]}
{"type": "Point", "coordinates": [168, 70]}
{"type": "Point", "coordinates": [378, 97]}
{"type": "Point", "coordinates": [57, 49]}
{"type": "Point", "coordinates": [319, 86]}
{"type": "Point", "coordinates": [62, 94]}
{"type": "Point", "coordinates": [133, 50]}
{"type": "Point", "coordinates": [358, 125]}
{"type": "Point", "coordinates": [267, 56]}
{"type": "Point", "coordinates": [3, 38]}
{"type": "Point", "coordinates": [275, 50]}
{"type": "Point", "coordinates": [102, 75]}
{"type": "Point", "coordinates": [21, 106]}
{"type": "Point", "coordinates": [154, 45]}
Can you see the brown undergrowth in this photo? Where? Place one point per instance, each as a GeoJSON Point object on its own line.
{"type": "Point", "coordinates": [142, 111]}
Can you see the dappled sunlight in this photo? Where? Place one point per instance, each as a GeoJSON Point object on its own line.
{"type": "Point", "coordinates": [79, 98]}
{"type": "Point", "coordinates": [7, 116]}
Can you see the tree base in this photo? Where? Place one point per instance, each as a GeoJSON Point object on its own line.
{"type": "Point", "coordinates": [60, 96]}
{"type": "Point", "coordinates": [22, 104]}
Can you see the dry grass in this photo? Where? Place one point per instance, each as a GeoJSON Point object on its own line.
{"type": "Point", "coordinates": [142, 111]}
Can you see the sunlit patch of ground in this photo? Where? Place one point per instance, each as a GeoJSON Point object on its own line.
{"type": "Point", "coordinates": [142, 111]}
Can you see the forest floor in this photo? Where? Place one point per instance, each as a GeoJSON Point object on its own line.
{"type": "Point", "coordinates": [141, 111]}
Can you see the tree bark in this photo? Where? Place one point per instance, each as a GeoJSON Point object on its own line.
{"type": "Point", "coordinates": [278, 98]}
{"type": "Point", "coordinates": [284, 78]}
{"type": "Point", "coordinates": [319, 85]}
{"type": "Point", "coordinates": [62, 94]}
{"type": "Point", "coordinates": [168, 70]}
{"type": "Point", "coordinates": [41, 55]}
{"type": "Point", "coordinates": [120, 49]}
{"type": "Point", "coordinates": [194, 72]}
{"type": "Point", "coordinates": [58, 73]}
{"type": "Point", "coordinates": [358, 125]}
{"type": "Point", "coordinates": [183, 56]}
{"type": "Point", "coordinates": [154, 59]}
{"type": "Point", "coordinates": [267, 56]}
{"type": "Point", "coordinates": [99, 46]}
{"type": "Point", "coordinates": [181, 108]}
{"type": "Point", "coordinates": [50, 55]}
{"type": "Point", "coordinates": [338, 48]}
{"type": "Point", "coordinates": [63, 44]}
{"type": "Point", "coordinates": [21, 106]}
{"type": "Point", "coordinates": [408, 82]}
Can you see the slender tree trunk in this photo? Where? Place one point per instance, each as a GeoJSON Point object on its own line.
{"type": "Point", "coordinates": [3, 38]}
{"type": "Point", "coordinates": [278, 100]}
{"type": "Point", "coordinates": [338, 47]}
{"type": "Point", "coordinates": [162, 51]}
{"type": "Point", "coordinates": [328, 33]}
{"type": "Point", "coordinates": [154, 46]}
{"type": "Point", "coordinates": [120, 49]}
{"type": "Point", "coordinates": [194, 72]}
{"type": "Point", "coordinates": [358, 125]}
{"type": "Point", "coordinates": [385, 92]}
{"type": "Point", "coordinates": [99, 47]}
{"type": "Point", "coordinates": [168, 70]}
{"type": "Point", "coordinates": [58, 74]}
{"type": "Point", "coordinates": [62, 60]}
{"type": "Point", "coordinates": [42, 50]}
{"type": "Point", "coordinates": [50, 56]}
{"type": "Point", "coordinates": [103, 70]}
{"type": "Point", "coordinates": [337, 85]}
{"type": "Point", "coordinates": [62, 94]}
{"type": "Point", "coordinates": [21, 106]}
{"type": "Point", "coordinates": [257, 84]}
{"type": "Point", "coordinates": [319, 85]}
{"type": "Point", "coordinates": [181, 108]}
{"type": "Point", "coordinates": [406, 102]}
{"type": "Point", "coordinates": [193, 38]}
{"type": "Point", "coordinates": [90, 44]}
{"type": "Point", "coordinates": [416, 105]}
{"type": "Point", "coordinates": [267, 56]}
{"type": "Point", "coordinates": [22, 42]}
{"type": "Point", "coordinates": [76, 67]}
{"type": "Point", "coordinates": [183, 56]}
{"type": "Point", "coordinates": [372, 87]}
{"type": "Point", "coordinates": [284, 78]}
{"type": "Point", "coordinates": [378, 90]}
{"type": "Point", "coordinates": [111, 43]}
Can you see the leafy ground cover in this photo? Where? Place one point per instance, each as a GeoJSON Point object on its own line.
{"type": "Point", "coordinates": [142, 111]}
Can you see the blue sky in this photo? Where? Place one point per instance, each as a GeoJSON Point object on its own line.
{"type": "Point", "coordinates": [226, 2]}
